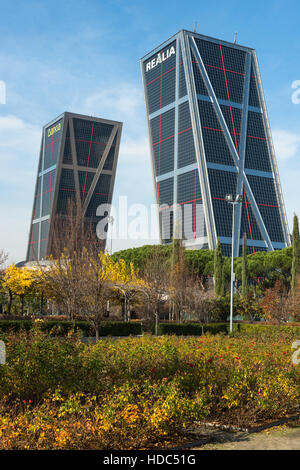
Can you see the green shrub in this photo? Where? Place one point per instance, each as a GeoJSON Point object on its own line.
{"type": "Point", "coordinates": [195, 329]}
{"type": "Point", "coordinates": [191, 329]}
{"type": "Point", "coordinates": [63, 327]}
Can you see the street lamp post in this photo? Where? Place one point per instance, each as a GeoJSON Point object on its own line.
{"type": "Point", "coordinates": [229, 198]}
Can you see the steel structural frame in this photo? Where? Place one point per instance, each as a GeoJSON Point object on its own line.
{"type": "Point", "coordinates": [67, 118]}
{"type": "Point", "coordinates": [186, 40]}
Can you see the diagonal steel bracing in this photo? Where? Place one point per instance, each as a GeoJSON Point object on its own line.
{"type": "Point", "coordinates": [242, 178]}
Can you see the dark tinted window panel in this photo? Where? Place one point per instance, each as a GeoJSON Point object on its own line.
{"type": "Point", "coordinates": [263, 190]}
{"type": "Point", "coordinates": [85, 181]}
{"type": "Point", "coordinates": [164, 156]}
{"type": "Point", "coordinates": [184, 117]}
{"type": "Point", "coordinates": [257, 155]}
{"type": "Point", "coordinates": [44, 230]}
{"type": "Point", "coordinates": [34, 236]}
{"type": "Point", "coordinates": [102, 133]}
{"type": "Point", "coordinates": [91, 139]}
{"type": "Point", "coordinates": [160, 79]}
{"type": "Point", "coordinates": [168, 88]}
{"type": "Point", "coordinates": [37, 200]}
{"type": "Point", "coordinates": [208, 116]}
{"type": "Point", "coordinates": [229, 88]}
{"type": "Point", "coordinates": [166, 191]}
{"type": "Point", "coordinates": [103, 185]}
{"type": "Point", "coordinates": [210, 52]}
{"type": "Point", "coordinates": [233, 118]}
{"type": "Point", "coordinates": [155, 126]}
{"type": "Point", "coordinates": [217, 79]}
{"type": "Point", "coordinates": [186, 149]}
{"type": "Point", "coordinates": [235, 84]}
{"type": "Point", "coordinates": [182, 81]}
{"type": "Point", "coordinates": [199, 82]}
{"type": "Point", "coordinates": [188, 187]}
{"type": "Point", "coordinates": [34, 242]}
{"type": "Point", "coordinates": [43, 249]}
{"type": "Point", "coordinates": [53, 136]}
{"type": "Point", "coordinates": [256, 125]}
{"type": "Point", "coordinates": [192, 220]}
{"type": "Point", "coordinates": [248, 222]}
{"type": "Point", "coordinates": [67, 157]}
{"type": "Point", "coordinates": [189, 198]}
{"type": "Point", "coordinates": [67, 191]}
{"type": "Point", "coordinates": [253, 96]}
{"type": "Point", "coordinates": [166, 222]}
{"type": "Point", "coordinates": [223, 217]}
{"type": "Point", "coordinates": [154, 96]}
{"type": "Point", "coordinates": [41, 159]}
{"type": "Point", "coordinates": [48, 192]}
{"type": "Point", "coordinates": [162, 128]}
{"type": "Point", "coordinates": [51, 154]}
{"type": "Point", "coordinates": [222, 183]}
{"type": "Point", "coordinates": [168, 124]}
{"type": "Point", "coordinates": [161, 62]}
{"type": "Point", "coordinates": [97, 200]}
{"type": "Point", "coordinates": [234, 60]}
{"type": "Point", "coordinates": [272, 221]}
{"type": "Point", "coordinates": [216, 148]}
{"type": "Point", "coordinates": [109, 162]}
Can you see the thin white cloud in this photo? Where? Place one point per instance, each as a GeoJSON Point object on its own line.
{"type": "Point", "coordinates": [18, 136]}
{"type": "Point", "coordinates": [123, 103]}
{"type": "Point", "coordinates": [287, 144]}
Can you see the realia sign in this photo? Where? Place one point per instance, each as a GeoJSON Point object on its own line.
{"type": "Point", "coordinates": [161, 57]}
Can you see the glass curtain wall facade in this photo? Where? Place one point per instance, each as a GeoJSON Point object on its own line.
{"type": "Point", "coordinates": [77, 162]}
{"type": "Point", "coordinates": [210, 136]}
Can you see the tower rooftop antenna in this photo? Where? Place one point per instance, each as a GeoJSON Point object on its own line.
{"type": "Point", "coordinates": [235, 38]}
{"type": "Point", "coordinates": [195, 28]}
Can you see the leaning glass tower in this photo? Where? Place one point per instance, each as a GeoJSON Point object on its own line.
{"type": "Point", "coordinates": [209, 137]}
{"type": "Point", "coordinates": [77, 162]}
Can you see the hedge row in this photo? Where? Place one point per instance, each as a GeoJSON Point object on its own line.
{"type": "Point", "coordinates": [195, 329]}
{"type": "Point", "coordinates": [191, 329]}
{"type": "Point", "coordinates": [62, 327]}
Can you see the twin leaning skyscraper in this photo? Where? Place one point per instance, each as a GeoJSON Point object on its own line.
{"type": "Point", "coordinates": [209, 137]}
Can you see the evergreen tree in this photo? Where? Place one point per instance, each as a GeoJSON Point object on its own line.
{"type": "Point", "coordinates": [218, 270]}
{"type": "Point", "coordinates": [296, 253]}
{"type": "Point", "coordinates": [222, 288]}
{"type": "Point", "coordinates": [245, 268]}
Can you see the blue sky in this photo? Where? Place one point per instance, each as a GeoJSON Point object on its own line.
{"type": "Point", "coordinates": [83, 56]}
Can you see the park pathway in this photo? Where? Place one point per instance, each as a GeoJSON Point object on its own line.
{"type": "Point", "coordinates": [287, 438]}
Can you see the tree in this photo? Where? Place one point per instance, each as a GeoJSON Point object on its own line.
{"type": "Point", "coordinates": [73, 245]}
{"type": "Point", "coordinates": [200, 302]}
{"type": "Point", "coordinates": [296, 253]}
{"type": "Point", "coordinates": [296, 301]}
{"type": "Point", "coordinates": [218, 271]}
{"type": "Point", "coordinates": [248, 307]}
{"type": "Point", "coordinates": [18, 281]}
{"type": "Point", "coordinates": [245, 268]}
{"type": "Point", "coordinates": [127, 281]}
{"type": "Point", "coordinates": [156, 282]}
{"type": "Point", "coordinates": [178, 280]}
{"type": "Point", "coordinates": [277, 304]}
{"type": "Point", "coordinates": [99, 275]}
